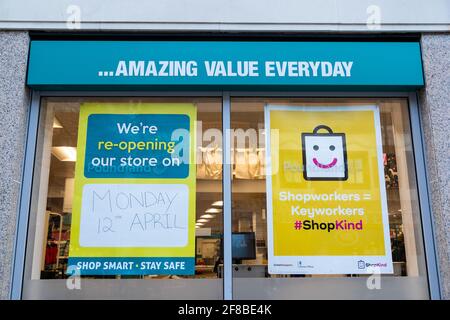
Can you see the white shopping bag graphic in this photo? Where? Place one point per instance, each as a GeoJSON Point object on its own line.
{"type": "Point", "coordinates": [324, 155]}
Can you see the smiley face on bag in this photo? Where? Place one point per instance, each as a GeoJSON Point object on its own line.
{"type": "Point", "coordinates": [324, 155]}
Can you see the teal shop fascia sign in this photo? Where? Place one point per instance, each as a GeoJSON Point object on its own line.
{"type": "Point", "coordinates": [116, 65]}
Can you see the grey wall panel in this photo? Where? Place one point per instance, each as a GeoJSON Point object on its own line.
{"type": "Point", "coordinates": [14, 103]}
{"type": "Point", "coordinates": [435, 112]}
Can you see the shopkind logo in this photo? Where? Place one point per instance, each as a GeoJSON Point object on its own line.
{"type": "Point", "coordinates": [363, 265]}
{"type": "Point", "coordinates": [338, 225]}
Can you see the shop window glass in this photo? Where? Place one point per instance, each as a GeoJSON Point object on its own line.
{"type": "Point", "coordinates": [252, 278]}
{"type": "Point", "coordinates": [51, 222]}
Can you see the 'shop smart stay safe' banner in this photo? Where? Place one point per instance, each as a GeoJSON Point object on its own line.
{"type": "Point", "coordinates": [326, 199]}
{"type": "Point", "coordinates": [134, 200]}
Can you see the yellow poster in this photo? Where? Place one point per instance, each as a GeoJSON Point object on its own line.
{"type": "Point", "coordinates": [327, 208]}
{"type": "Point", "coordinates": [134, 199]}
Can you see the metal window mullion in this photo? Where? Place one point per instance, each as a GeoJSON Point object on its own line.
{"type": "Point", "coordinates": [25, 199]}
{"type": "Point", "coordinates": [227, 218]}
{"type": "Point", "coordinates": [423, 192]}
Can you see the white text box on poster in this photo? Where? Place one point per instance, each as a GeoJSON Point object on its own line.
{"type": "Point", "coordinates": [134, 215]}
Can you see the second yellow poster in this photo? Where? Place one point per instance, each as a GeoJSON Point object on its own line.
{"type": "Point", "coordinates": [327, 209]}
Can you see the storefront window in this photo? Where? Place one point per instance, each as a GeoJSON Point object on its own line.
{"type": "Point", "coordinates": [53, 222]}
{"type": "Point", "coordinates": [54, 197]}
{"type": "Point", "coordinates": [252, 279]}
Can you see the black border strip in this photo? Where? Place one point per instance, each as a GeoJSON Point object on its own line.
{"type": "Point", "coordinates": [225, 36]}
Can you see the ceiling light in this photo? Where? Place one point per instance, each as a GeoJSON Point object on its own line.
{"type": "Point", "coordinates": [65, 153]}
{"type": "Point", "coordinates": [199, 224]}
{"type": "Point", "coordinates": [202, 220]}
{"type": "Point", "coordinates": [56, 123]}
{"type": "Point", "coordinates": [213, 210]}
{"type": "Point", "coordinates": [207, 216]}
{"type": "Point", "coordinates": [218, 204]}
{"type": "Point", "coordinates": [197, 227]}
